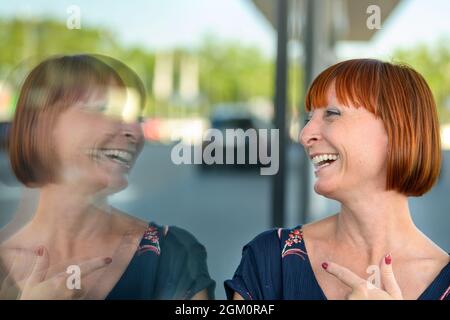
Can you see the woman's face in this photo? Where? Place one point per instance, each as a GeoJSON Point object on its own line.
{"type": "Point", "coordinates": [348, 148]}
{"type": "Point", "coordinates": [96, 151]}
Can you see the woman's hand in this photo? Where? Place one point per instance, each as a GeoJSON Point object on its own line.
{"type": "Point", "coordinates": [363, 289]}
{"type": "Point", "coordinates": [36, 287]}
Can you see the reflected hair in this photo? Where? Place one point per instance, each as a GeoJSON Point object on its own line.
{"type": "Point", "coordinates": [52, 87]}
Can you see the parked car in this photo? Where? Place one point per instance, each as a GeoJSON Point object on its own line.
{"type": "Point", "coordinates": [232, 118]}
{"type": "Point", "coordinates": [4, 131]}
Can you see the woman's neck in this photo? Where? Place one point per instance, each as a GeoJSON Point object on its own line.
{"type": "Point", "coordinates": [65, 217]}
{"type": "Point", "coordinates": [376, 224]}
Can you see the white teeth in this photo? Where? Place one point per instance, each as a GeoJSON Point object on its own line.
{"type": "Point", "coordinates": [324, 157]}
{"type": "Point", "coordinates": [125, 155]}
{"type": "Point", "coordinates": [119, 156]}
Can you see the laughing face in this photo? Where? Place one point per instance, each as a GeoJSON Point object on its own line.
{"type": "Point", "coordinates": [348, 148]}
{"type": "Point", "coordinates": [96, 151]}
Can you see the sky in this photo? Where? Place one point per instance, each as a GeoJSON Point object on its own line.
{"type": "Point", "coordinates": [160, 24]}
{"type": "Point", "coordinates": [164, 24]}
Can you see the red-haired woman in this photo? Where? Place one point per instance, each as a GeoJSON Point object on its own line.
{"type": "Point", "coordinates": [373, 137]}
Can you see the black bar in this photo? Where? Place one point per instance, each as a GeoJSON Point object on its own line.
{"type": "Point", "coordinates": [278, 186]}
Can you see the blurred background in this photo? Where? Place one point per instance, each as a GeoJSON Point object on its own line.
{"type": "Point", "coordinates": [229, 64]}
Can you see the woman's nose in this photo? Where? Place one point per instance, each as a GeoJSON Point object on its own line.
{"type": "Point", "coordinates": [132, 131]}
{"type": "Point", "coordinates": [309, 134]}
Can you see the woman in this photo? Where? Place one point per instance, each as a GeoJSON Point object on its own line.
{"type": "Point", "coordinates": [373, 137]}
{"type": "Point", "coordinates": [75, 136]}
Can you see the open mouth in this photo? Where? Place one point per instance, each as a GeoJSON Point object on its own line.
{"type": "Point", "coordinates": [324, 160]}
{"type": "Point", "coordinates": [119, 156]}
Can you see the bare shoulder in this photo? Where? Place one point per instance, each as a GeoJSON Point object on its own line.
{"type": "Point", "coordinates": [15, 243]}
{"type": "Point", "coordinates": [431, 256]}
{"type": "Point", "coordinates": [125, 223]}
{"type": "Point", "coordinates": [14, 257]}
{"type": "Point", "coordinates": [125, 219]}
{"type": "Point", "coordinates": [320, 230]}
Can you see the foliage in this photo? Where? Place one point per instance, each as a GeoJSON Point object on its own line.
{"type": "Point", "coordinates": [433, 62]}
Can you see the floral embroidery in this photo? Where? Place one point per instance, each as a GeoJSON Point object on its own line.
{"type": "Point", "coordinates": [150, 241]}
{"type": "Point", "coordinates": [292, 243]}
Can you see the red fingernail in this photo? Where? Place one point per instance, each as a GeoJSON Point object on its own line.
{"type": "Point", "coordinates": [108, 260]}
{"type": "Point", "coordinates": [325, 265]}
{"type": "Point", "coordinates": [388, 259]}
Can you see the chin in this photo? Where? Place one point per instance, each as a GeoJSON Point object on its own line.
{"type": "Point", "coordinates": [115, 185]}
{"type": "Point", "coordinates": [325, 189]}
{"type": "Point", "coordinates": [106, 184]}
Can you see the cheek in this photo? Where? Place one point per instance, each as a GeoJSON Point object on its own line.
{"type": "Point", "coordinates": [72, 146]}
{"type": "Point", "coordinates": [379, 145]}
{"type": "Point", "coordinates": [70, 130]}
{"type": "Point", "coordinates": [370, 153]}
{"type": "Point", "coordinates": [364, 147]}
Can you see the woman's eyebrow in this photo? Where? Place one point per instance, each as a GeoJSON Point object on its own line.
{"type": "Point", "coordinates": [333, 105]}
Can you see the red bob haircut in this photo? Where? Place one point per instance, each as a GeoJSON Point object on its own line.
{"type": "Point", "coordinates": [400, 96]}
{"type": "Point", "coordinates": [52, 87]}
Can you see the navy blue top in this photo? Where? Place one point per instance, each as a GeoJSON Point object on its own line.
{"type": "Point", "coordinates": [169, 264]}
{"type": "Point", "coordinates": [275, 266]}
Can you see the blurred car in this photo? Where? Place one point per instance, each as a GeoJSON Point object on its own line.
{"type": "Point", "coordinates": [233, 117]}
{"type": "Point", "coordinates": [4, 131]}
{"type": "Point", "coordinates": [6, 175]}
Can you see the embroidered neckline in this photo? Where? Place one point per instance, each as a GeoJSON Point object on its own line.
{"type": "Point", "coordinates": [150, 240]}
{"type": "Point", "coordinates": [292, 245]}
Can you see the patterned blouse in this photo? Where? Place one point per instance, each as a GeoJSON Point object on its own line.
{"type": "Point", "coordinates": [275, 266]}
{"type": "Point", "coordinates": [169, 264]}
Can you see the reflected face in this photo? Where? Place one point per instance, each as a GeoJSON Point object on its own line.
{"type": "Point", "coordinates": [348, 148]}
{"type": "Point", "coordinates": [96, 151]}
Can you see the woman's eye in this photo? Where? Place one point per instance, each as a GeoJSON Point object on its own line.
{"type": "Point", "coordinates": [102, 108]}
{"type": "Point", "coordinates": [332, 112]}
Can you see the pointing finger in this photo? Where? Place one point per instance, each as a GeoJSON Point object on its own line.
{"type": "Point", "coordinates": [388, 278]}
{"type": "Point", "coordinates": [344, 275]}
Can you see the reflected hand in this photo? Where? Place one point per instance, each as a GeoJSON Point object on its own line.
{"type": "Point", "coordinates": [36, 287]}
{"type": "Point", "coordinates": [121, 258]}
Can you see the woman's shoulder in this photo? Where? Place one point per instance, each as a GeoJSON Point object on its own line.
{"type": "Point", "coordinates": [316, 229]}
{"type": "Point", "coordinates": [171, 237]}
{"type": "Point", "coordinates": [272, 240]}
{"type": "Point", "coordinates": [290, 237]}
{"type": "Point", "coordinates": [179, 236]}
{"type": "Point", "coordinates": [174, 241]}
{"type": "Point", "coordinates": [267, 236]}
{"type": "Point", "coordinates": [183, 268]}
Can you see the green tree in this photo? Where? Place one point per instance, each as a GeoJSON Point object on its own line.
{"type": "Point", "coordinates": [232, 72]}
{"type": "Point", "coordinates": [433, 62]}
{"type": "Point", "coordinates": [228, 71]}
